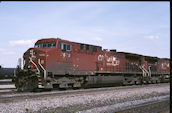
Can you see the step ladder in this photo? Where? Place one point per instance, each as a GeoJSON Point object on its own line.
{"type": "Point", "coordinates": [40, 84]}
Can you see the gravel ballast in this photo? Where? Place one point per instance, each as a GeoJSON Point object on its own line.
{"type": "Point", "coordinates": [89, 102]}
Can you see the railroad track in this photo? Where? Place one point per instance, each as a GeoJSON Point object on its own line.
{"type": "Point", "coordinates": [6, 92]}
{"type": "Point", "coordinates": [12, 92]}
{"type": "Point", "coordinates": [5, 81]}
{"type": "Point", "coordinates": [6, 86]}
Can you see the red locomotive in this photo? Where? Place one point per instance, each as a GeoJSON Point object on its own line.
{"type": "Point", "coordinates": [57, 63]}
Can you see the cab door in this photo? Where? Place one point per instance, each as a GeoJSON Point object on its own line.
{"type": "Point", "coordinates": [67, 55]}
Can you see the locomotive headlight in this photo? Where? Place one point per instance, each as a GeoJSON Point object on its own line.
{"type": "Point", "coordinates": [34, 52]}
{"type": "Point", "coordinates": [28, 66]}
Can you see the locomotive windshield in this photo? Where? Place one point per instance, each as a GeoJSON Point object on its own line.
{"type": "Point", "coordinates": [46, 45]}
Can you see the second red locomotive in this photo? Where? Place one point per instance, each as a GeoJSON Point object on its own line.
{"type": "Point", "coordinates": [57, 63]}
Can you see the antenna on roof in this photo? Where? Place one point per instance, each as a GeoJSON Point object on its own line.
{"type": "Point", "coordinates": [58, 38]}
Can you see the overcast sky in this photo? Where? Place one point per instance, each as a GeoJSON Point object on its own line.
{"type": "Point", "coordinates": [137, 27]}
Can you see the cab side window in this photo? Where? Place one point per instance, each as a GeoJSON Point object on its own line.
{"type": "Point", "coordinates": [94, 49]}
{"type": "Point", "coordinates": [64, 47]}
{"type": "Point", "coordinates": [81, 46]}
{"type": "Point", "coordinates": [44, 45]}
{"type": "Point", "coordinates": [87, 47]}
{"type": "Point", "coordinates": [53, 44]}
{"type": "Point", "coordinates": [68, 47]}
{"type": "Point", "coordinates": [49, 45]}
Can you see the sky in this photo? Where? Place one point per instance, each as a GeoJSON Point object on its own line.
{"type": "Point", "coordinates": [136, 27]}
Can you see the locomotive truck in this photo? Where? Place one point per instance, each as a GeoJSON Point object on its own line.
{"type": "Point", "coordinates": [57, 63]}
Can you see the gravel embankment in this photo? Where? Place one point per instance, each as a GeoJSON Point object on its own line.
{"type": "Point", "coordinates": [93, 101]}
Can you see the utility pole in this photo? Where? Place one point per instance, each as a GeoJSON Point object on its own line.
{"type": "Point", "coordinates": [19, 62]}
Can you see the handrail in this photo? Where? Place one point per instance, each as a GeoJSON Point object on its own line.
{"type": "Point", "coordinates": [45, 76]}
{"type": "Point", "coordinates": [34, 65]}
{"type": "Point", "coordinates": [149, 71]}
{"type": "Point", "coordinates": [145, 70]}
{"type": "Point", "coordinates": [141, 67]}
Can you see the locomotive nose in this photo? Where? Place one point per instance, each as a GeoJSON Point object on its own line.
{"type": "Point", "coordinates": [32, 57]}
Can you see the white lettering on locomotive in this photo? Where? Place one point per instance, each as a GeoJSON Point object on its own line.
{"type": "Point", "coordinates": [66, 55]}
{"type": "Point", "coordinates": [41, 54]}
{"type": "Point", "coordinates": [100, 57]}
{"type": "Point", "coordinates": [165, 65]}
{"type": "Point", "coordinates": [111, 60]}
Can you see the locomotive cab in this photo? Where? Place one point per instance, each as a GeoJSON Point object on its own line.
{"type": "Point", "coordinates": [33, 56]}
